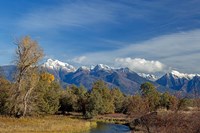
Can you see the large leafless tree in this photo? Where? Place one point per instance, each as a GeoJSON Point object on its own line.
{"type": "Point", "coordinates": [28, 54]}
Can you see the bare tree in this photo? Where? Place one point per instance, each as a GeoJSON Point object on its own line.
{"type": "Point", "coordinates": [28, 54]}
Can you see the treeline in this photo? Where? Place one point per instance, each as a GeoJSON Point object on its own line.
{"type": "Point", "coordinates": [49, 98]}
{"type": "Point", "coordinates": [36, 92]}
{"type": "Point", "coordinates": [103, 100]}
{"type": "Point", "coordinates": [99, 100]}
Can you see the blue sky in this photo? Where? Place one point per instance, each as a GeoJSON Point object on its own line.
{"type": "Point", "coordinates": [146, 36]}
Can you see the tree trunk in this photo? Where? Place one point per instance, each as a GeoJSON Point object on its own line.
{"type": "Point", "coordinates": [25, 101]}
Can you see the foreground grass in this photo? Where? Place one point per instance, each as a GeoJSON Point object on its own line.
{"type": "Point", "coordinates": [61, 124]}
{"type": "Point", "coordinates": [171, 122]}
{"type": "Point", "coordinates": [181, 122]}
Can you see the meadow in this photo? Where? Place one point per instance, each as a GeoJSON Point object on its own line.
{"type": "Point", "coordinates": [54, 123]}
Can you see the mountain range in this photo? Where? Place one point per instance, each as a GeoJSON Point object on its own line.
{"type": "Point", "coordinates": [128, 81]}
{"type": "Point", "coordinates": [123, 78]}
{"type": "Point", "coordinates": [185, 83]}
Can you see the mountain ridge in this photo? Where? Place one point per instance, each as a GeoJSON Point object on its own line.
{"type": "Point", "coordinates": [127, 80]}
{"type": "Point", "coordinates": [186, 83]}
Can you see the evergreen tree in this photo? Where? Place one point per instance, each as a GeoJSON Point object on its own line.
{"type": "Point", "coordinates": [47, 95]}
{"type": "Point", "coordinates": [67, 101]}
{"type": "Point", "coordinates": [118, 98]}
{"type": "Point", "coordinates": [165, 100]}
{"type": "Point", "coordinates": [149, 93]}
{"type": "Point", "coordinates": [5, 86]}
{"type": "Point", "coordinates": [74, 99]}
{"type": "Point", "coordinates": [100, 99]}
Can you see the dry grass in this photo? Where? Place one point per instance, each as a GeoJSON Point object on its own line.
{"type": "Point", "coordinates": [116, 118]}
{"type": "Point", "coordinates": [182, 122]}
{"type": "Point", "coordinates": [171, 122]}
{"type": "Point", "coordinates": [61, 124]}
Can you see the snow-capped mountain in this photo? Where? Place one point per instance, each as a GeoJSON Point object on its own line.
{"type": "Point", "coordinates": [58, 65]}
{"type": "Point", "coordinates": [57, 68]}
{"type": "Point", "coordinates": [175, 80]}
{"type": "Point", "coordinates": [102, 67]}
{"type": "Point", "coordinates": [183, 75]}
{"type": "Point", "coordinates": [82, 68]}
{"type": "Point", "coordinates": [128, 81]}
{"type": "Point", "coordinates": [148, 76]}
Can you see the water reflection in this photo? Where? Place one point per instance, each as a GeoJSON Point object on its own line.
{"type": "Point", "coordinates": [110, 128]}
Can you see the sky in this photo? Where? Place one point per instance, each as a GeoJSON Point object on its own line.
{"type": "Point", "coordinates": [148, 36]}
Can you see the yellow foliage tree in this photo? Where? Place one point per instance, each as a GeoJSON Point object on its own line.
{"type": "Point", "coordinates": [47, 77]}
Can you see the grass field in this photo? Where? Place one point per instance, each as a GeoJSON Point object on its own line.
{"type": "Point", "coordinates": [61, 124]}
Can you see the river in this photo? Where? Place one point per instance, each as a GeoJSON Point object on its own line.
{"type": "Point", "coordinates": [110, 128]}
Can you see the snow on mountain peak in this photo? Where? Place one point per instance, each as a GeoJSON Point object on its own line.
{"type": "Point", "coordinates": [102, 67]}
{"type": "Point", "coordinates": [183, 75]}
{"type": "Point", "coordinates": [148, 76]}
{"type": "Point", "coordinates": [84, 68]}
{"type": "Point", "coordinates": [56, 64]}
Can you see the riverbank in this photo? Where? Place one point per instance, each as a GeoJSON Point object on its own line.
{"type": "Point", "coordinates": [116, 118]}
{"type": "Point", "coordinates": [52, 123]}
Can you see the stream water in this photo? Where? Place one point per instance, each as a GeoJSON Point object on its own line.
{"type": "Point", "coordinates": [110, 128]}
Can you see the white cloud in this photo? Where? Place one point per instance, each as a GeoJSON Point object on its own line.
{"type": "Point", "coordinates": [180, 51]}
{"type": "Point", "coordinates": [79, 60]}
{"type": "Point", "coordinates": [140, 65]}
